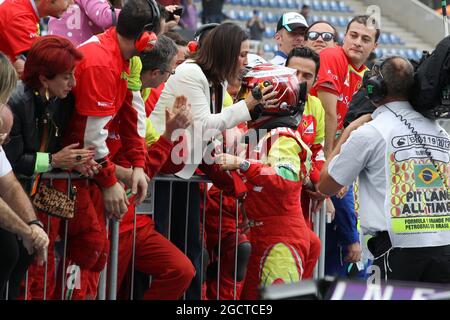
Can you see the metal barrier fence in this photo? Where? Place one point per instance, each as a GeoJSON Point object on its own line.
{"type": "Point", "coordinates": [107, 284]}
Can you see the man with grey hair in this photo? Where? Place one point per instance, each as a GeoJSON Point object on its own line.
{"type": "Point", "coordinates": [159, 63]}
{"type": "Point", "coordinates": [401, 159]}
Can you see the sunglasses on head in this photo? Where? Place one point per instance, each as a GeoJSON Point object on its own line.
{"type": "Point", "coordinates": [326, 36]}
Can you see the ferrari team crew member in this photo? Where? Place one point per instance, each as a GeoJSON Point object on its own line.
{"type": "Point", "coordinates": [19, 25]}
{"type": "Point", "coordinates": [101, 89]}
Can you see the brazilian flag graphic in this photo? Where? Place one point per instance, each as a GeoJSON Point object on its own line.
{"type": "Point", "coordinates": [426, 176]}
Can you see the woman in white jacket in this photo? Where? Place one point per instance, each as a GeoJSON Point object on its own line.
{"type": "Point", "coordinates": [203, 80]}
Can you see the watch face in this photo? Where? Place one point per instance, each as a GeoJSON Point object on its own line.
{"type": "Point", "coordinates": [244, 165]}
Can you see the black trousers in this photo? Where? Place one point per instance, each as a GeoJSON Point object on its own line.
{"type": "Point", "coordinates": [14, 262]}
{"type": "Point", "coordinates": [426, 264]}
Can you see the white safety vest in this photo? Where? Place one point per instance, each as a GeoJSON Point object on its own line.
{"type": "Point", "coordinates": [417, 202]}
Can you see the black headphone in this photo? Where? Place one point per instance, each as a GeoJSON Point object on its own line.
{"type": "Point", "coordinates": [194, 45]}
{"type": "Point", "coordinates": [376, 85]}
{"type": "Point", "coordinates": [146, 39]}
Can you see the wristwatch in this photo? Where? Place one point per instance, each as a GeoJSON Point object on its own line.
{"type": "Point", "coordinates": [36, 222]}
{"type": "Point", "coordinates": [244, 165]}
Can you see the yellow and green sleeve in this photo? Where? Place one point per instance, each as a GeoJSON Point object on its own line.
{"type": "Point", "coordinates": [134, 79]}
{"type": "Point", "coordinates": [151, 135]}
{"type": "Point", "coordinates": [315, 108]}
{"type": "Point", "coordinates": [284, 158]}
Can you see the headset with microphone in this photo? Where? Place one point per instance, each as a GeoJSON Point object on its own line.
{"type": "Point", "coordinates": [376, 85]}
{"type": "Point", "coordinates": [146, 39]}
{"type": "Point", "coordinates": [195, 44]}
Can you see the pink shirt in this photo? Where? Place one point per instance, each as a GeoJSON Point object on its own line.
{"type": "Point", "coordinates": [83, 19]}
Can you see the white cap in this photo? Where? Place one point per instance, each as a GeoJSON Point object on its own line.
{"type": "Point", "coordinates": [291, 21]}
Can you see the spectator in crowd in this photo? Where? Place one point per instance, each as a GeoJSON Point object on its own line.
{"type": "Point", "coordinates": [168, 20]}
{"type": "Point", "coordinates": [97, 102]}
{"type": "Point", "coordinates": [221, 56]}
{"type": "Point", "coordinates": [189, 17]}
{"type": "Point", "coordinates": [86, 18]}
{"type": "Point", "coordinates": [212, 11]}
{"type": "Point", "coordinates": [290, 33]}
{"type": "Point", "coordinates": [19, 21]}
{"type": "Point", "coordinates": [321, 35]}
{"type": "Point", "coordinates": [404, 248]}
{"type": "Point", "coordinates": [305, 12]}
{"type": "Point", "coordinates": [171, 271]}
{"type": "Point", "coordinates": [21, 233]}
{"type": "Point", "coordinates": [42, 105]}
{"type": "Point", "coordinates": [83, 19]}
{"type": "Point", "coordinates": [256, 26]}
{"type": "Point", "coordinates": [340, 76]}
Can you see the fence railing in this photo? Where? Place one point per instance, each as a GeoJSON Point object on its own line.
{"type": "Point", "coordinates": [107, 283]}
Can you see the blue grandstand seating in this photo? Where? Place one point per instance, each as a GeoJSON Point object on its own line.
{"type": "Point", "coordinates": [343, 7]}
{"type": "Point", "coordinates": [317, 6]}
{"type": "Point", "coordinates": [334, 11]}
{"type": "Point", "coordinates": [378, 52]}
{"type": "Point", "coordinates": [269, 32]}
{"type": "Point", "coordinates": [342, 21]}
{"type": "Point", "coordinates": [281, 4]}
{"type": "Point", "coordinates": [267, 47]}
{"type": "Point", "coordinates": [384, 39]}
{"type": "Point", "coordinates": [334, 6]}
{"type": "Point", "coordinates": [292, 4]}
{"type": "Point", "coordinates": [273, 3]}
{"type": "Point", "coordinates": [232, 14]}
{"type": "Point", "coordinates": [270, 17]}
{"type": "Point", "coordinates": [326, 6]}
{"type": "Point", "coordinates": [333, 20]}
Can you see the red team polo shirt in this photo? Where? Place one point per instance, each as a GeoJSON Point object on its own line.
{"type": "Point", "coordinates": [101, 76]}
{"type": "Point", "coordinates": [19, 27]}
{"type": "Point", "coordinates": [100, 92]}
{"type": "Point", "coordinates": [339, 76]}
